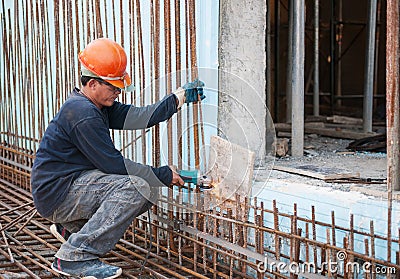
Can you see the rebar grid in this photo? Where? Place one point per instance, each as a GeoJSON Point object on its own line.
{"type": "Point", "coordinates": [40, 42]}
{"type": "Point", "coordinates": [229, 241]}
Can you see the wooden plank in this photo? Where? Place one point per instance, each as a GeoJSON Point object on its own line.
{"type": "Point", "coordinates": [319, 172]}
{"type": "Point", "coordinates": [328, 132]}
{"type": "Point", "coordinates": [345, 120]}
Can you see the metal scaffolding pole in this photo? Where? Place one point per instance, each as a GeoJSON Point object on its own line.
{"type": "Point", "coordinates": [332, 54]}
{"type": "Point", "coordinates": [298, 79]}
{"type": "Point", "coordinates": [268, 47]}
{"type": "Point", "coordinates": [289, 64]}
{"type": "Point", "coordinates": [369, 69]}
{"type": "Point", "coordinates": [338, 51]}
{"type": "Point", "coordinates": [277, 60]}
{"type": "Point", "coordinates": [316, 59]}
{"type": "Point", "coordinates": [392, 97]}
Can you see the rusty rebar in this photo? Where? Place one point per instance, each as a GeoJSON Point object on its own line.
{"type": "Point", "coordinates": [392, 94]}
{"type": "Point", "coordinates": [15, 221]}
{"type": "Point", "coordinates": [314, 234]}
{"type": "Point", "coordinates": [26, 222]}
{"type": "Point", "coordinates": [372, 235]}
{"type": "Point", "coordinates": [351, 242]}
{"type": "Point", "coordinates": [38, 106]}
{"type": "Point", "coordinates": [366, 247]}
{"type": "Point", "coordinates": [21, 266]}
{"type": "Point", "coordinates": [6, 243]}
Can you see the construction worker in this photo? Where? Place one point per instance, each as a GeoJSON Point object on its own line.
{"type": "Point", "coordinates": [80, 181]}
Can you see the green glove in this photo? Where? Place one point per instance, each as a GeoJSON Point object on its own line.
{"type": "Point", "coordinates": [194, 90]}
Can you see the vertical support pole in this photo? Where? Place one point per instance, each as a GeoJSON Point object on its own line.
{"type": "Point", "coordinates": [369, 70]}
{"type": "Point", "coordinates": [316, 59]}
{"type": "Point", "coordinates": [338, 50]}
{"type": "Point", "coordinates": [332, 55]}
{"type": "Point", "coordinates": [392, 95]}
{"type": "Point", "coordinates": [289, 71]}
{"type": "Point", "coordinates": [298, 79]}
{"type": "Point", "coordinates": [268, 57]}
{"type": "Point", "coordinates": [377, 39]}
{"type": "Point", "coordinates": [268, 81]}
{"type": "Point", "coordinates": [277, 60]}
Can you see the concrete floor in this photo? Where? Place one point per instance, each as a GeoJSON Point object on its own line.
{"type": "Point", "coordinates": [331, 153]}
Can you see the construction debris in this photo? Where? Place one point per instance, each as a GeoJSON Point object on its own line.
{"type": "Point", "coordinates": [371, 144]}
{"type": "Point", "coordinates": [322, 130]}
{"type": "Point", "coordinates": [324, 173]}
{"type": "Point", "coordinates": [281, 146]}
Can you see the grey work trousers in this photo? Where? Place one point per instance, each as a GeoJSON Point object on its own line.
{"type": "Point", "coordinates": [97, 211]}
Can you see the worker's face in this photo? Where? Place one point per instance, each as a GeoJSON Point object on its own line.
{"type": "Point", "coordinates": [106, 94]}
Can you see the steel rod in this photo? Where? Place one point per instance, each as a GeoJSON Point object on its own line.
{"type": "Point", "coordinates": [289, 70]}
{"type": "Point", "coordinates": [298, 79]}
{"type": "Point", "coordinates": [338, 52]}
{"type": "Point", "coordinates": [316, 59]}
{"type": "Point", "coordinates": [277, 59]}
{"type": "Point", "coordinates": [392, 95]}
{"type": "Point", "coordinates": [21, 266]}
{"type": "Point", "coordinates": [6, 243]}
{"type": "Point", "coordinates": [370, 67]}
{"type": "Point", "coordinates": [26, 222]}
{"type": "Point", "coordinates": [178, 80]}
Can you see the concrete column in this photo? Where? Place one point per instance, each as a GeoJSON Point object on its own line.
{"type": "Point", "coordinates": [242, 113]}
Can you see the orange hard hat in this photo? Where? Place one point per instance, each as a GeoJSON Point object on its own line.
{"type": "Point", "coordinates": [106, 59]}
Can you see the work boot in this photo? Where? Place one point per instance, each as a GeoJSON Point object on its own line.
{"type": "Point", "coordinates": [91, 269]}
{"type": "Point", "coordinates": [59, 232]}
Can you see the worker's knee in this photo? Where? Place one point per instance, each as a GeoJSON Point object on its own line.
{"type": "Point", "coordinates": [134, 189]}
{"type": "Point", "coordinates": [142, 186]}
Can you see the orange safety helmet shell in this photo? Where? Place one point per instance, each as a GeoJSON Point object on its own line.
{"type": "Point", "coordinates": [106, 59]}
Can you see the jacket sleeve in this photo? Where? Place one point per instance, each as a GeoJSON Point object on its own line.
{"type": "Point", "coordinates": [129, 117]}
{"type": "Point", "coordinates": [92, 138]}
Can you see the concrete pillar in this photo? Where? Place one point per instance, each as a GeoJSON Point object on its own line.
{"type": "Point", "coordinates": [242, 113]}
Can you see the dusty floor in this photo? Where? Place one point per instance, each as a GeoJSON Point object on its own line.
{"type": "Point", "coordinates": [332, 153]}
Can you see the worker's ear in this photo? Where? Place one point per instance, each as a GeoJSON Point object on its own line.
{"type": "Point", "coordinates": [92, 83]}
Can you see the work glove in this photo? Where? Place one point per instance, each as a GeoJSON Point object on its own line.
{"type": "Point", "coordinates": [190, 92]}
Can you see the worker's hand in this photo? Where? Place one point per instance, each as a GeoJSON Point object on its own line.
{"type": "Point", "coordinates": [194, 91]}
{"type": "Point", "coordinates": [176, 178]}
{"type": "Point", "coordinates": [190, 92]}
